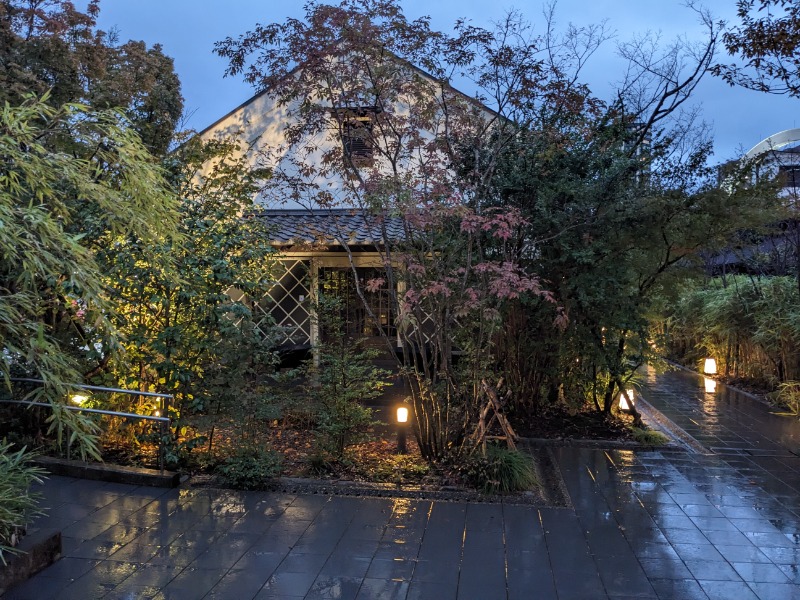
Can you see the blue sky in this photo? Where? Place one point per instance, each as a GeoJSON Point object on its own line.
{"type": "Point", "coordinates": [188, 29]}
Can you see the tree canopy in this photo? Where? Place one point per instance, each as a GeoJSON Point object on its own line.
{"type": "Point", "coordinates": [530, 202]}
{"type": "Point", "coordinates": [51, 47]}
{"type": "Point", "coordinates": [766, 41]}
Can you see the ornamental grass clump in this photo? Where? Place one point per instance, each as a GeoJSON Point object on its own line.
{"type": "Point", "coordinates": [787, 397]}
{"type": "Point", "coordinates": [500, 471]}
{"type": "Point", "coordinates": [648, 437]}
{"type": "Point", "coordinates": [17, 502]}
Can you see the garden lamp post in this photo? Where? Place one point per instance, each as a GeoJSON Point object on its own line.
{"type": "Point", "coordinates": [402, 425]}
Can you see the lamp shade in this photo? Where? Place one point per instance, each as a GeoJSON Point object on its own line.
{"type": "Point", "coordinates": [402, 414]}
{"type": "Point", "coordinates": [626, 400]}
{"type": "Point", "coordinates": [79, 399]}
{"type": "Point", "coordinates": [710, 366]}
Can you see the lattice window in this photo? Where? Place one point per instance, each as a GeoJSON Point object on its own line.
{"type": "Point", "coordinates": [288, 304]}
{"type": "Point", "coordinates": [338, 282]}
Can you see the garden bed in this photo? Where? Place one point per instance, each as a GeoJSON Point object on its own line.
{"type": "Point", "coordinates": [560, 424]}
{"type": "Point", "coordinates": [442, 485]}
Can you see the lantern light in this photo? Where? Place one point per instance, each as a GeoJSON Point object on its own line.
{"type": "Point", "coordinates": [626, 400]}
{"type": "Point", "coordinates": [710, 366]}
{"type": "Point", "coordinates": [711, 385]}
{"type": "Point", "coordinates": [402, 414]}
{"type": "Point", "coordinates": [79, 399]}
{"type": "Point", "coordinates": [402, 423]}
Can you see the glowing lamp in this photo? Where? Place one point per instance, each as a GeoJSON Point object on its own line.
{"type": "Point", "coordinates": [626, 400]}
{"type": "Point", "coordinates": [711, 385]}
{"type": "Point", "coordinates": [402, 414]}
{"type": "Point", "coordinates": [710, 366]}
{"type": "Point", "coordinates": [79, 399]}
{"type": "Point", "coordinates": [402, 421]}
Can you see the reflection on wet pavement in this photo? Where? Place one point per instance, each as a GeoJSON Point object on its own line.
{"type": "Point", "coordinates": [646, 524]}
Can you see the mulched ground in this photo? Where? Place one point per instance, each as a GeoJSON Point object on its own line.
{"type": "Point", "coordinates": [558, 423]}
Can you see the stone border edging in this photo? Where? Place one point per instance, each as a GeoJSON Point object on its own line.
{"type": "Point", "coordinates": [599, 444]}
{"type": "Point", "coordinates": [41, 548]}
{"type": "Point", "coordinates": [675, 431]}
{"type": "Point", "coordinates": [108, 472]}
{"type": "Point", "coordinates": [548, 471]}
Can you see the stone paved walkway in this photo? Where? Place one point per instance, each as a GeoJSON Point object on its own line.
{"type": "Point", "coordinates": [656, 525]}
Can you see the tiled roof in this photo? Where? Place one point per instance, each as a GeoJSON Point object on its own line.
{"type": "Point", "coordinates": [330, 227]}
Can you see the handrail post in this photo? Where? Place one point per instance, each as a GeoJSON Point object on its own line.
{"type": "Point", "coordinates": [162, 451]}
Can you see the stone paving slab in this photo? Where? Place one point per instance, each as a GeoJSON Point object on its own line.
{"type": "Point", "coordinates": [645, 524]}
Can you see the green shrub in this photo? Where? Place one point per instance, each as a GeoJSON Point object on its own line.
{"type": "Point", "coordinates": [341, 422]}
{"type": "Point", "coordinates": [250, 468]}
{"type": "Point", "coordinates": [17, 503]}
{"type": "Point", "coordinates": [340, 382]}
{"type": "Point", "coordinates": [500, 471]}
{"type": "Point", "coordinates": [648, 437]}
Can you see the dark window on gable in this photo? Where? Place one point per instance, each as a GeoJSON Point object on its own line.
{"type": "Point", "coordinates": [357, 133]}
{"type": "Point", "coordinates": [357, 138]}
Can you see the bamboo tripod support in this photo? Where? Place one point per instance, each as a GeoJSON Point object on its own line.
{"type": "Point", "coordinates": [493, 407]}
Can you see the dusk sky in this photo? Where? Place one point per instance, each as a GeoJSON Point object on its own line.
{"type": "Point", "coordinates": [188, 29]}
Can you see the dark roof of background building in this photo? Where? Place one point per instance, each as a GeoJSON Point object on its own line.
{"type": "Point", "coordinates": [330, 227]}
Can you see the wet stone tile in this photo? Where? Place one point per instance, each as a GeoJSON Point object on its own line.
{"type": "Point", "coordinates": [685, 536]}
{"type": "Point", "coordinates": [425, 590]}
{"type": "Point", "coordinates": [36, 589]}
{"type": "Point", "coordinates": [128, 592]}
{"type": "Point", "coordinates": [281, 585]}
{"type": "Point", "coordinates": [649, 550]}
{"type": "Point", "coordinates": [727, 590]}
{"type": "Point", "coordinates": [397, 569]}
{"type": "Point", "coordinates": [776, 591]}
{"type": "Point", "coordinates": [383, 589]}
{"type": "Point", "coordinates": [334, 587]}
{"type": "Point", "coordinates": [728, 538]}
{"type": "Point", "coordinates": [238, 583]}
{"type": "Point", "coordinates": [686, 589]}
{"type": "Point", "coordinates": [742, 553]}
{"type": "Point", "coordinates": [69, 569]}
{"type": "Point", "coordinates": [194, 583]}
{"type": "Point", "coordinates": [85, 588]}
{"type": "Point", "coordinates": [782, 555]}
{"type": "Point", "coordinates": [689, 552]}
{"type": "Point", "coordinates": [760, 572]}
{"type": "Point", "coordinates": [712, 570]}
{"type": "Point", "coordinates": [665, 569]}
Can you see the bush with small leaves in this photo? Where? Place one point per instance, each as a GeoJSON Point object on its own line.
{"type": "Point", "coordinates": [250, 468]}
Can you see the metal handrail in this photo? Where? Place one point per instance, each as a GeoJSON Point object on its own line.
{"type": "Point", "coordinates": [162, 421]}
{"type": "Point", "coordinates": [111, 413]}
{"type": "Point", "coordinates": [96, 388]}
